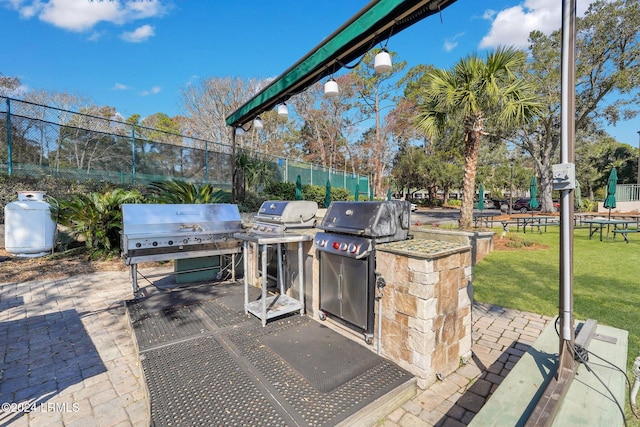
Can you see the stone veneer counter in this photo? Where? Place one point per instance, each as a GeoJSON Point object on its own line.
{"type": "Point", "coordinates": [421, 248]}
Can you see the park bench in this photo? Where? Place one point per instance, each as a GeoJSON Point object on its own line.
{"type": "Point", "coordinates": [625, 231]}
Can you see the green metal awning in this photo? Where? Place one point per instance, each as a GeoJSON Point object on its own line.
{"type": "Point", "coordinates": [379, 20]}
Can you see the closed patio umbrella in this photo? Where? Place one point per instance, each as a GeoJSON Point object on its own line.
{"type": "Point", "coordinates": [610, 201]}
{"type": "Point", "coordinates": [327, 195]}
{"type": "Point", "coordinates": [481, 197]}
{"type": "Point", "coordinates": [389, 194]}
{"type": "Point", "coordinates": [533, 189]}
{"type": "Point", "coordinates": [298, 188]}
{"type": "Point", "coordinates": [356, 195]}
{"type": "Point", "coordinates": [577, 197]}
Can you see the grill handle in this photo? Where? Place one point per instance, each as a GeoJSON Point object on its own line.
{"type": "Point", "coordinates": [352, 231]}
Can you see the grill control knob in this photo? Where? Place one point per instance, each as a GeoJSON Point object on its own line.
{"type": "Point", "coordinates": [185, 241]}
{"type": "Point", "coordinates": [322, 243]}
{"type": "Point", "coordinates": [170, 242]}
{"type": "Point", "coordinates": [138, 245]}
{"type": "Point", "coordinates": [198, 240]}
{"type": "Point", "coordinates": [343, 247]}
{"type": "Point", "coordinates": [353, 248]}
{"type": "Point", "coordinates": [155, 243]}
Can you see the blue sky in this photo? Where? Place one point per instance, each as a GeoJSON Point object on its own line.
{"type": "Point", "coordinates": [138, 55]}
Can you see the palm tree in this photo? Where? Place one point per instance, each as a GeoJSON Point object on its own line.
{"type": "Point", "coordinates": [481, 95]}
{"type": "Point", "coordinates": [97, 217]}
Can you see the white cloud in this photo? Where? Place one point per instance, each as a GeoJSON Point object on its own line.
{"type": "Point", "coordinates": [120, 86]}
{"type": "Point", "coordinates": [451, 43]}
{"type": "Point", "coordinates": [140, 34]}
{"type": "Point", "coordinates": [154, 90]}
{"type": "Point", "coordinates": [511, 26]}
{"type": "Point", "coordinates": [83, 15]}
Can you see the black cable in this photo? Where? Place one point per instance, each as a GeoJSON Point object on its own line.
{"type": "Point", "coordinates": [579, 355]}
{"type": "Point", "coordinates": [626, 377]}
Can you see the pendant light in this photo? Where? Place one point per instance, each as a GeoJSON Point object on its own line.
{"type": "Point", "coordinates": [382, 62]}
{"type": "Point", "coordinates": [331, 88]}
{"type": "Point", "coordinates": [257, 123]}
{"type": "Point", "coordinates": [283, 110]}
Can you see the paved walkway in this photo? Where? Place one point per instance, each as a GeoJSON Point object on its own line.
{"type": "Point", "coordinates": [69, 358]}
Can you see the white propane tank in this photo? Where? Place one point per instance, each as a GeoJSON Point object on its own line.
{"type": "Point", "coordinates": [29, 230]}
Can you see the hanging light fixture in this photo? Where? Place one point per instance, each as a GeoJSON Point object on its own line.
{"type": "Point", "coordinates": [331, 88]}
{"type": "Point", "coordinates": [257, 123]}
{"type": "Point", "coordinates": [283, 110]}
{"type": "Point", "coordinates": [382, 62]}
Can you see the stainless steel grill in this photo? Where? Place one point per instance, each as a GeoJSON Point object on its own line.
{"type": "Point", "coordinates": [274, 218]}
{"type": "Point", "coordinates": [160, 232]}
{"type": "Point", "coordinates": [346, 252]}
{"type": "Point", "coordinates": [277, 224]}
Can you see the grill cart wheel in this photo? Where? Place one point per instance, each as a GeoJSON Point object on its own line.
{"type": "Point", "coordinates": [322, 316]}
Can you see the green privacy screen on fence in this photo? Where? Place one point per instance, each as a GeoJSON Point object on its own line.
{"type": "Point", "coordinates": [38, 140]}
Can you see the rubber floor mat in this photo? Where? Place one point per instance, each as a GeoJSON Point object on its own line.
{"type": "Point", "coordinates": [208, 363]}
{"type": "Point", "coordinates": [321, 355]}
{"type": "Point", "coordinates": [313, 406]}
{"type": "Point", "coordinates": [164, 326]}
{"type": "Point", "coordinates": [198, 383]}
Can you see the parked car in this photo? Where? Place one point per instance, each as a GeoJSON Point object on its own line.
{"type": "Point", "coordinates": [414, 207]}
{"type": "Point", "coordinates": [522, 205]}
{"type": "Point", "coordinates": [497, 203]}
{"type": "Point", "coordinates": [488, 204]}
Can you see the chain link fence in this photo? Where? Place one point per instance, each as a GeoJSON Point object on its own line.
{"type": "Point", "coordinates": [39, 140]}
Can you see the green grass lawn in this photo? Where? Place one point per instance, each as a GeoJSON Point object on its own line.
{"type": "Point", "coordinates": [606, 280]}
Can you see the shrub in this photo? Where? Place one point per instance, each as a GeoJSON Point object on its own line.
{"type": "Point", "coordinates": [54, 187]}
{"type": "Point", "coordinates": [518, 242]}
{"type": "Point", "coordinates": [96, 217]}
{"type": "Point", "coordinates": [251, 202]}
{"type": "Point", "coordinates": [177, 191]}
{"type": "Point", "coordinates": [280, 191]}
{"type": "Point", "coordinates": [316, 193]}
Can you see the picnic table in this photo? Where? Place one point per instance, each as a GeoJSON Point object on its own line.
{"type": "Point", "coordinates": [483, 217]}
{"type": "Point", "coordinates": [598, 224]}
{"type": "Point", "coordinates": [531, 221]}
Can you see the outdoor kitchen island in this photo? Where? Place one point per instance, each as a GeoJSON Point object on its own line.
{"type": "Point", "coordinates": [423, 290]}
{"type": "Point", "coordinates": [297, 369]}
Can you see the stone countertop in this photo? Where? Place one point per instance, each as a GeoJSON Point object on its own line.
{"type": "Point", "coordinates": [416, 247]}
{"type": "Point", "coordinates": [422, 248]}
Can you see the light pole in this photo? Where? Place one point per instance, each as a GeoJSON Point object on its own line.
{"type": "Point", "coordinates": [639, 158]}
{"type": "Point", "coordinates": [511, 160]}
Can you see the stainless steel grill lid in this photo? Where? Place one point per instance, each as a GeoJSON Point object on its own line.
{"type": "Point", "coordinates": [383, 221]}
{"type": "Point", "coordinates": [179, 219]}
{"type": "Point", "coordinates": [292, 214]}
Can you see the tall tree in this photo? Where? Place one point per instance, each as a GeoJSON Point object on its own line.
{"type": "Point", "coordinates": [207, 104]}
{"type": "Point", "coordinates": [374, 92]}
{"type": "Point", "coordinates": [486, 94]}
{"type": "Point", "coordinates": [596, 156]}
{"type": "Point", "coordinates": [8, 85]}
{"type": "Point", "coordinates": [325, 122]}
{"type": "Point", "coordinates": [607, 81]}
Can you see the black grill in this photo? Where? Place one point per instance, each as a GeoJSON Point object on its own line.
{"type": "Point", "coordinates": [346, 252]}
